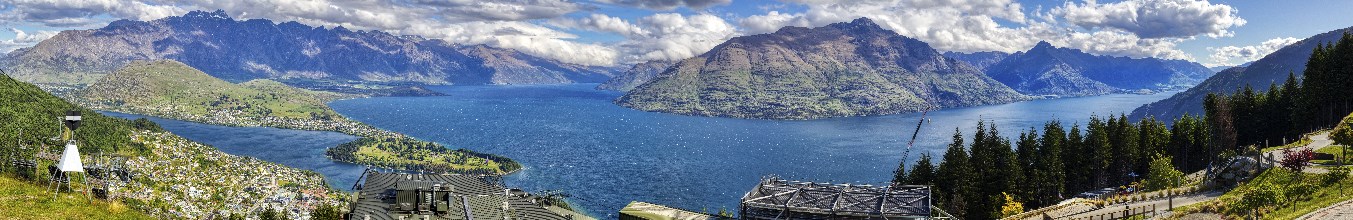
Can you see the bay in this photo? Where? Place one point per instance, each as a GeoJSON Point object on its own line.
{"type": "Point", "coordinates": [294, 148]}
{"type": "Point", "coordinates": [573, 138]}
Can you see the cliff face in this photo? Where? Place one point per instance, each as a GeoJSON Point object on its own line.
{"type": "Point", "coordinates": [239, 51]}
{"type": "Point", "coordinates": [1049, 70]}
{"type": "Point", "coordinates": [842, 69]}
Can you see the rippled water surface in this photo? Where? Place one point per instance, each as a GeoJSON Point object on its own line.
{"type": "Point", "coordinates": [572, 138]}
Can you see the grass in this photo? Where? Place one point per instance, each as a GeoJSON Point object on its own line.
{"type": "Point", "coordinates": [1337, 151]}
{"type": "Point", "coordinates": [24, 200]}
{"type": "Point", "coordinates": [1323, 193]}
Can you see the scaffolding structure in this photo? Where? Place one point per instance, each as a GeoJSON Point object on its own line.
{"type": "Point", "coordinates": [775, 198]}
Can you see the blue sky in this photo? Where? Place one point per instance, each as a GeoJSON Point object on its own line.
{"type": "Point", "coordinates": [619, 32]}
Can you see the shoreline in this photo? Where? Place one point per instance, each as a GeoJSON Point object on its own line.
{"type": "Point", "coordinates": [353, 128]}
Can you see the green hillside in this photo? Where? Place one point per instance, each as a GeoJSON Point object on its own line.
{"type": "Point", "coordinates": [165, 165]}
{"type": "Point", "coordinates": [22, 200]}
{"type": "Point", "coordinates": [174, 90]}
{"type": "Point", "coordinates": [154, 86]}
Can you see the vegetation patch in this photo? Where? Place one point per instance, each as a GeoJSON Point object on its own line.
{"type": "Point", "coordinates": [1278, 194]}
{"type": "Point", "coordinates": [411, 154]}
{"type": "Point", "coordinates": [23, 200]}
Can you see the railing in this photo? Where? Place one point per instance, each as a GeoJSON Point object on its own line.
{"type": "Point", "coordinates": [1128, 212]}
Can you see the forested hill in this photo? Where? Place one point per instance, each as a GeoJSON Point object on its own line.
{"type": "Point", "coordinates": [243, 50]}
{"type": "Point", "coordinates": [25, 107]}
{"type": "Point", "coordinates": [844, 69]}
{"type": "Point", "coordinates": [1272, 69]}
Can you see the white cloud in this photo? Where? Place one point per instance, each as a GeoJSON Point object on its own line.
{"type": "Point", "coordinates": [1136, 28]}
{"type": "Point", "coordinates": [60, 13]}
{"type": "Point", "coordinates": [1155, 18]}
{"type": "Point", "coordinates": [970, 26]}
{"type": "Point", "coordinates": [602, 23]}
{"type": "Point", "coordinates": [668, 4]}
{"type": "Point", "coordinates": [24, 39]}
{"type": "Point", "coordinates": [502, 23]}
{"type": "Point", "coordinates": [1233, 55]}
{"type": "Point", "coordinates": [674, 36]}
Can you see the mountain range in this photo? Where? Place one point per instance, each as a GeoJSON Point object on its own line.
{"type": "Point", "coordinates": [243, 50]}
{"type": "Point", "coordinates": [637, 75]}
{"type": "Point", "coordinates": [1049, 70]}
{"type": "Point", "coordinates": [1272, 68]}
{"type": "Point", "coordinates": [842, 69]}
{"type": "Point", "coordinates": [981, 60]}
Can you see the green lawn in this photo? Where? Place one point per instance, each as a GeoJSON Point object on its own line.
{"type": "Point", "coordinates": [24, 200]}
{"type": "Point", "coordinates": [1286, 204]}
{"type": "Point", "coordinates": [1337, 151]}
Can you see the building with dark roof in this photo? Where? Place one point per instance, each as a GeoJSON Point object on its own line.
{"type": "Point", "coordinates": [775, 198]}
{"type": "Point", "coordinates": [447, 196]}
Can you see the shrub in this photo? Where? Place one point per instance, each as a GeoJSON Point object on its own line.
{"type": "Point", "coordinates": [1162, 174]}
{"type": "Point", "coordinates": [1297, 160]}
{"type": "Point", "coordinates": [1335, 175]}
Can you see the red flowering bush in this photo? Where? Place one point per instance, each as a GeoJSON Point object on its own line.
{"type": "Point", "coordinates": [1297, 160]}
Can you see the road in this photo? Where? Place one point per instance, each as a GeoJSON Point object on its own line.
{"type": "Point", "coordinates": [1161, 204]}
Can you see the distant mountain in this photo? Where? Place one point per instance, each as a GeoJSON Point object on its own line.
{"type": "Point", "coordinates": [1273, 68]}
{"type": "Point", "coordinates": [1049, 70]}
{"type": "Point", "coordinates": [637, 75]}
{"type": "Point", "coordinates": [981, 60]}
{"type": "Point", "coordinates": [239, 51]}
{"type": "Point", "coordinates": [842, 69]}
{"type": "Point", "coordinates": [1219, 68]}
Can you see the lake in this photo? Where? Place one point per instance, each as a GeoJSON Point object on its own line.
{"type": "Point", "coordinates": [294, 148]}
{"type": "Point", "coordinates": [572, 138]}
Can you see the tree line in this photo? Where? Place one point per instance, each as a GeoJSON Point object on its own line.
{"type": "Point", "coordinates": [1317, 101]}
{"type": "Point", "coordinates": [1053, 164]}
{"type": "Point", "coordinates": [1044, 166]}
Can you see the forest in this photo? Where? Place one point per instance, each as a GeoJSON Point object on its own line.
{"type": "Point", "coordinates": [1044, 166]}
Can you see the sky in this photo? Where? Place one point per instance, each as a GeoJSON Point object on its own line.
{"type": "Point", "coordinates": [622, 32]}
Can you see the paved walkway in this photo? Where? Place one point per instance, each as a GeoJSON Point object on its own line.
{"type": "Point", "coordinates": [1161, 204]}
{"type": "Point", "coordinates": [1341, 210]}
{"type": "Point", "coordinates": [1320, 140]}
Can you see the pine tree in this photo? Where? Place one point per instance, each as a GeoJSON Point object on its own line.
{"type": "Point", "coordinates": [953, 178]}
{"type": "Point", "coordinates": [900, 175]}
{"type": "Point", "coordinates": [1024, 158]}
{"type": "Point", "coordinates": [1051, 175]}
{"type": "Point", "coordinates": [1075, 160]}
{"type": "Point", "coordinates": [1099, 151]}
{"type": "Point", "coordinates": [923, 173]}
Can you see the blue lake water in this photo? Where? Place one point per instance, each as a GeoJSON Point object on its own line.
{"type": "Point", "coordinates": [572, 138]}
{"type": "Point", "coordinates": [294, 148]}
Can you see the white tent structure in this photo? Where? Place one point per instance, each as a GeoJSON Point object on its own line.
{"type": "Point", "coordinates": [70, 159]}
{"type": "Point", "coordinates": [69, 163]}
